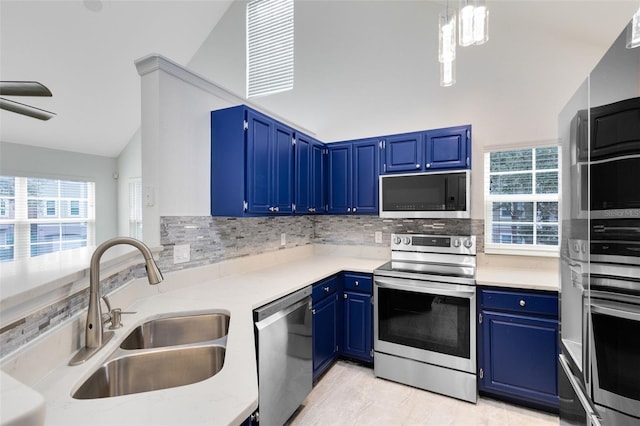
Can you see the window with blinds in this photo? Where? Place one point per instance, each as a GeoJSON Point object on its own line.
{"type": "Point", "coordinates": [269, 47]}
{"type": "Point", "coordinates": [40, 216]}
{"type": "Point", "coordinates": [521, 201]}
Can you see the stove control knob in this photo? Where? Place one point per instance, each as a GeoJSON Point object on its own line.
{"type": "Point", "coordinates": [397, 240]}
{"type": "Point", "coordinates": [456, 243]}
{"type": "Point", "coordinates": [468, 243]}
{"type": "Point", "coordinates": [406, 240]}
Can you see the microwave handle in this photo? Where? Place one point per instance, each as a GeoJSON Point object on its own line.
{"type": "Point", "coordinates": [615, 310]}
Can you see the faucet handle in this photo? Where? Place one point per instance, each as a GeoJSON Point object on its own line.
{"type": "Point", "coordinates": [107, 302]}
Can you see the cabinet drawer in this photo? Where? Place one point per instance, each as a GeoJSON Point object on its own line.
{"type": "Point", "coordinates": [325, 288]}
{"type": "Point", "coordinates": [358, 282]}
{"type": "Point", "coordinates": [521, 302]}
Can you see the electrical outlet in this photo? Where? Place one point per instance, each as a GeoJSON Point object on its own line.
{"type": "Point", "coordinates": [181, 253]}
{"type": "Point", "coordinates": [378, 237]}
{"type": "Point", "coordinates": [283, 239]}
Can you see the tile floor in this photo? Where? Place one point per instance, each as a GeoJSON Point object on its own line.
{"type": "Point", "coordinates": [349, 394]}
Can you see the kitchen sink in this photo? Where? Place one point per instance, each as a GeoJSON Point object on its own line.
{"type": "Point", "coordinates": [175, 331]}
{"type": "Point", "coordinates": [153, 370]}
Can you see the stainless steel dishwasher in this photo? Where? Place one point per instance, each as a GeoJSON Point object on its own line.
{"type": "Point", "coordinates": [284, 354]}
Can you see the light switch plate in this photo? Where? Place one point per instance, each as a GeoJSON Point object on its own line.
{"type": "Point", "coordinates": [181, 253]}
{"type": "Point", "coordinates": [378, 235]}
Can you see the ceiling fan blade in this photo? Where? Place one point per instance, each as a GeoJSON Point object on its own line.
{"type": "Point", "coordinates": [23, 88]}
{"type": "Point", "coordinates": [27, 110]}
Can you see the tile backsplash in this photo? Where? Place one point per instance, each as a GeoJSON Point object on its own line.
{"type": "Point", "coordinates": [214, 239]}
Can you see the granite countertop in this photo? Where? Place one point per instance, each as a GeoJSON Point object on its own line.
{"type": "Point", "coordinates": [230, 396]}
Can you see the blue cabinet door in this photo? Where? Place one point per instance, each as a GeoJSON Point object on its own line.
{"type": "Point", "coordinates": [318, 176]}
{"type": "Point", "coordinates": [518, 356]}
{"type": "Point", "coordinates": [282, 169]}
{"type": "Point", "coordinates": [310, 171]}
{"type": "Point", "coordinates": [366, 160]}
{"type": "Point", "coordinates": [259, 168]}
{"type": "Point", "coordinates": [303, 173]}
{"type": "Point", "coordinates": [403, 153]}
{"type": "Point", "coordinates": [357, 325]}
{"type": "Point", "coordinates": [339, 178]}
{"type": "Point", "coordinates": [325, 339]}
{"type": "Point", "coordinates": [448, 148]}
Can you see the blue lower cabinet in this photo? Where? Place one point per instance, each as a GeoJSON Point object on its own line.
{"type": "Point", "coordinates": [517, 351]}
{"type": "Point", "coordinates": [357, 326]}
{"type": "Point", "coordinates": [326, 316]}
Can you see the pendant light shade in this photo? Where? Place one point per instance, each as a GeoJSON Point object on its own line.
{"type": "Point", "coordinates": [465, 37]}
{"type": "Point", "coordinates": [480, 22]}
{"type": "Point", "coordinates": [447, 73]}
{"type": "Point", "coordinates": [633, 32]}
{"type": "Point", "coordinates": [447, 36]}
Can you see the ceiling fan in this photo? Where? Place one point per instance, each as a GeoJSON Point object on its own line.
{"type": "Point", "coordinates": [24, 88]}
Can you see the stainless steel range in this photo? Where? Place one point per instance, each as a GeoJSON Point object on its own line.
{"type": "Point", "coordinates": [425, 314]}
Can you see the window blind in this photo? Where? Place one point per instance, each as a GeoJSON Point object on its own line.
{"type": "Point", "coordinates": [40, 216]}
{"type": "Point", "coordinates": [269, 47]}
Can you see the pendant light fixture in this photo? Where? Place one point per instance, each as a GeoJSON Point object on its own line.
{"type": "Point", "coordinates": [465, 24]}
{"type": "Point", "coordinates": [633, 32]}
{"type": "Point", "coordinates": [447, 46]}
{"type": "Point", "coordinates": [480, 22]}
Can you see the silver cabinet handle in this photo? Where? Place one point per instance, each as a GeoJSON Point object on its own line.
{"type": "Point", "coordinates": [357, 283]}
{"type": "Point", "coordinates": [277, 209]}
{"type": "Point", "coordinates": [354, 209]}
{"type": "Point", "coordinates": [428, 165]}
{"type": "Point", "coordinates": [345, 296]}
{"type": "Point", "coordinates": [270, 209]}
{"type": "Point", "coordinates": [348, 209]}
{"type": "Point", "coordinates": [523, 303]}
{"type": "Point", "coordinates": [313, 312]}
{"type": "Point", "coordinates": [326, 289]}
{"type": "Point", "coordinates": [417, 166]}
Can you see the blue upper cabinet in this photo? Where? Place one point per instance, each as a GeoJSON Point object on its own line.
{"type": "Point", "coordinates": [252, 164]}
{"type": "Point", "coordinates": [310, 174]}
{"type": "Point", "coordinates": [339, 177]}
{"type": "Point", "coordinates": [448, 148]}
{"type": "Point", "coordinates": [353, 169]}
{"type": "Point", "coordinates": [403, 153]}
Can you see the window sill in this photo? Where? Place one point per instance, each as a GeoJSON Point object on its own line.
{"type": "Point", "coordinates": [522, 251]}
{"type": "Point", "coordinates": [34, 283]}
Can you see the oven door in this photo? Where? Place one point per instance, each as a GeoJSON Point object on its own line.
{"type": "Point", "coordinates": [615, 349]}
{"type": "Point", "coordinates": [426, 321]}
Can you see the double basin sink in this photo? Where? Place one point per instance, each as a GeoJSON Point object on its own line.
{"type": "Point", "coordinates": [160, 354]}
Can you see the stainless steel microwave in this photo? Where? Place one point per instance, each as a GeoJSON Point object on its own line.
{"type": "Point", "coordinates": [426, 195]}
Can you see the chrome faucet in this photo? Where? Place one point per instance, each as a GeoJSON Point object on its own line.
{"type": "Point", "coordinates": [95, 336]}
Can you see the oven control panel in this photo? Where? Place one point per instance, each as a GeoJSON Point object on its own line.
{"type": "Point", "coordinates": [458, 244]}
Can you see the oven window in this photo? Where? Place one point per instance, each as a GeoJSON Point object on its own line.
{"type": "Point", "coordinates": [425, 321]}
{"type": "Point", "coordinates": [617, 347]}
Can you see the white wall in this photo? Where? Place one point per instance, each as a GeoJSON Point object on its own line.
{"type": "Point", "coordinates": [25, 160]}
{"type": "Point", "coordinates": [129, 167]}
{"type": "Point", "coordinates": [369, 68]}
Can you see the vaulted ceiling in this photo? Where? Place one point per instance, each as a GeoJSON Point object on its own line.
{"type": "Point", "coordinates": [367, 57]}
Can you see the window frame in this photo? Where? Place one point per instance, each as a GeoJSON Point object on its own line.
{"type": "Point", "coordinates": [23, 245]}
{"type": "Point", "coordinates": [270, 48]}
{"type": "Point", "coordinates": [520, 249]}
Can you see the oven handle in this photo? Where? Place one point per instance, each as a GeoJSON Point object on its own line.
{"type": "Point", "coordinates": [615, 310]}
{"type": "Point", "coordinates": [430, 288]}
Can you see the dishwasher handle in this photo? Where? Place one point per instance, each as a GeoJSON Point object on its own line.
{"type": "Point", "coordinates": [266, 322]}
{"type": "Point", "coordinates": [277, 305]}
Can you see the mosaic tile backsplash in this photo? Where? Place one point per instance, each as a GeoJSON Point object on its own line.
{"type": "Point", "coordinates": [214, 239]}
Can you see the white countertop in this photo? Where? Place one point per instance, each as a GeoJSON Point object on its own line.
{"type": "Point", "coordinates": [230, 396]}
{"type": "Point", "coordinates": [235, 287]}
{"type": "Point", "coordinates": [520, 272]}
